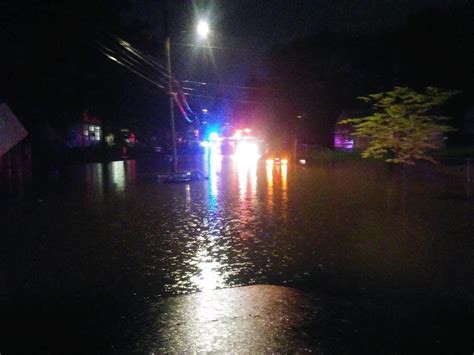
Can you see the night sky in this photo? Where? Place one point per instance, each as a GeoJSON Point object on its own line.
{"type": "Point", "coordinates": [250, 28]}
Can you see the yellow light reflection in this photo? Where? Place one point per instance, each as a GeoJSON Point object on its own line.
{"type": "Point", "coordinates": [284, 190]}
{"type": "Point", "coordinates": [269, 171]}
{"type": "Point", "coordinates": [284, 177]}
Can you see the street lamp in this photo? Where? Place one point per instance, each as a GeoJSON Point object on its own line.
{"type": "Point", "coordinates": [203, 31]}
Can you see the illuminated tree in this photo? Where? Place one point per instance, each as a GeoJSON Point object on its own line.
{"type": "Point", "coordinates": [402, 128]}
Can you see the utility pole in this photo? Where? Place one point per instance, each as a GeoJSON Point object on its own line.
{"type": "Point", "coordinates": [171, 103]}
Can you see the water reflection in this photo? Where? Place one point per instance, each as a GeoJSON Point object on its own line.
{"type": "Point", "coordinates": [188, 197]}
{"type": "Point", "coordinates": [284, 191]}
{"type": "Point", "coordinates": [236, 228]}
{"type": "Point", "coordinates": [101, 178]}
{"type": "Point", "coordinates": [208, 277]}
{"type": "Point", "coordinates": [122, 173]}
{"type": "Point", "coordinates": [246, 167]}
{"type": "Point", "coordinates": [269, 173]}
{"type": "Point", "coordinates": [277, 187]}
{"type": "Point", "coordinates": [117, 175]}
{"type": "Point", "coordinates": [94, 178]}
{"type": "Point", "coordinates": [284, 177]}
{"type": "Point", "coordinates": [214, 162]}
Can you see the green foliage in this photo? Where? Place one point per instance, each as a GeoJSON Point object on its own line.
{"type": "Point", "coordinates": [402, 128]}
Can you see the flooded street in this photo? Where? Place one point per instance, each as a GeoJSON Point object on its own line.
{"type": "Point", "coordinates": [105, 244]}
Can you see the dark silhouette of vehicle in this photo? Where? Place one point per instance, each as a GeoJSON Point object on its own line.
{"type": "Point", "coordinates": [187, 176]}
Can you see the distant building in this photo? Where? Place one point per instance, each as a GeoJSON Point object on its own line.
{"type": "Point", "coordinates": [85, 133]}
{"type": "Point", "coordinates": [344, 138]}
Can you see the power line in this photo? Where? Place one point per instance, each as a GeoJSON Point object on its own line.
{"type": "Point", "coordinates": [222, 98]}
{"type": "Point", "coordinates": [143, 76]}
{"type": "Point", "coordinates": [138, 55]}
{"type": "Point", "coordinates": [135, 64]}
{"type": "Point", "coordinates": [111, 54]}
{"type": "Point", "coordinates": [202, 83]}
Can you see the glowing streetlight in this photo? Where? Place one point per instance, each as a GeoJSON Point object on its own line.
{"type": "Point", "coordinates": [203, 29]}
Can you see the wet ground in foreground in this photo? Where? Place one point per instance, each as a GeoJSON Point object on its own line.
{"type": "Point", "coordinates": [99, 258]}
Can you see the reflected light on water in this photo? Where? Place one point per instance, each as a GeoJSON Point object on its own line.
{"type": "Point", "coordinates": [241, 167]}
{"type": "Point", "coordinates": [247, 174]}
{"type": "Point", "coordinates": [214, 161]}
{"type": "Point", "coordinates": [118, 174]}
{"type": "Point", "coordinates": [247, 150]}
{"type": "Point", "coordinates": [284, 191]}
{"type": "Point", "coordinates": [188, 196]}
{"type": "Point", "coordinates": [122, 172]}
{"type": "Point", "coordinates": [208, 277]}
{"type": "Point", "coordinates": [246, 166]}
{"type": "Point", "coordinates": [253, 177]}
{"type": "Point", "coordinates": [284, 177]}
{"type": "Point", "coordinates": [269, 171]}
{"type": "Point", "coordinates": [95, 180]}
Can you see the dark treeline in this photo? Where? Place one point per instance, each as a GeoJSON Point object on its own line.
{"type": "Point", "coordinates": [317, 78]}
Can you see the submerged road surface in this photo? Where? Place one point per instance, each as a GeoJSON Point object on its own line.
{"type": "Point", "coordinates": [107, 259]}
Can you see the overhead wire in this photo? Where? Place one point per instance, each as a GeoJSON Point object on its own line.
{"type": "Point", "coordinates": [136, 56]}
{"type": "Point", "coordinates": [113, 55]}
{"type": "Point", "coordinates": [223, 98]}
{"type": "Point", "coordinates": [203, 83]}
{"type": "Point", "coordinates": [130, 68]}
{"type": "Point", "coordinates": [140, 64]}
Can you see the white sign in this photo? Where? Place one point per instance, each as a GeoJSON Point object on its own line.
{"type": "Point", "coordinates": [11, 130]}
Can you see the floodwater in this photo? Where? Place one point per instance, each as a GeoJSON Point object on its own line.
{"type": "Point", "coordinates": [104, 243]}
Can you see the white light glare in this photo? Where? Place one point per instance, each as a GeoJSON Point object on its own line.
{"type": "Point", "coordinates": [203, 29]}
{"type": "Point", "coordinates": [247, 150]}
